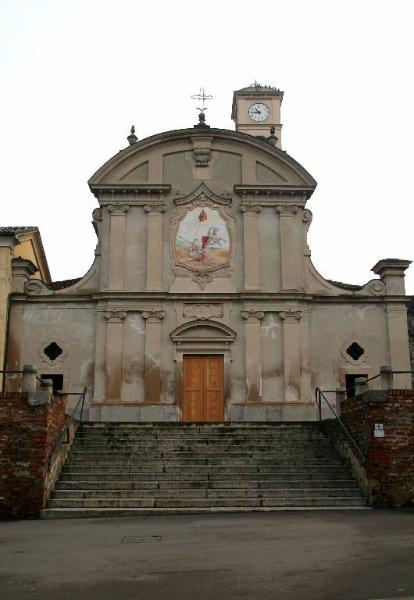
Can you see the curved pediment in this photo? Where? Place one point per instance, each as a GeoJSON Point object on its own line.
{"type": "Point", "coordinates": [202, 330]}
{"type": "Point", "coordinates": [204, 154]}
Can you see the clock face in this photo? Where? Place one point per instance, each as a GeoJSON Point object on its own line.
{"type": "Point", "coordinates": [259, 112]}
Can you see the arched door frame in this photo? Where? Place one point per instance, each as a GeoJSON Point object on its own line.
{"type": "Point", "coordinates": [218, 342]}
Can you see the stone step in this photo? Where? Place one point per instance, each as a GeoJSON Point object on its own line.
{"type": "Point", "coordinates": [205, 443]}
{"type": "Point", "coordinates": [91, 513]}
{"type": "Point", "coordinates": [200, 470]}
{"type": "Point", "coordinates": [207, 476]}
{"type": "Point", "coordinates": [205, 493]}
{"type": "Point", "coordinates": [121, 468]}
{"type": "Point", "coordinates": [219, 426]}
{"type": "Point", "coordinates": [114, 484]}
{"type": "Point", "coordinates": [206, 502]}
{"type": "Point", "coordinates": [185, 457]}
{"type": "Point", "coordinates": [199, 439]}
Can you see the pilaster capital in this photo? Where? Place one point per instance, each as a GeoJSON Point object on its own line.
{"type": "Point", "coordinates": [252, 315]}
{"type": "Point", "coordinates": [290, 316]}
{"type": "Point", "coordinates": [115, 316]}
{"type": "Point", "coordinates": [155, 207]}
{"type": "Point", "coordinates": [250, 208]}
{"type": "Point", "coordinates": [118, 210]}
{"type": "Point", "coordinates": [286, 210]}
{"type": "Point", "coordinates": [153, 315]}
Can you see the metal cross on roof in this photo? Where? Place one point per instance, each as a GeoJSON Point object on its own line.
{"type": "Point", "coordinates": [203, 97]}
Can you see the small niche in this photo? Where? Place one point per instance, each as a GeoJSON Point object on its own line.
{"type": "Point", "coordinates": [53, 351]}
{"type": "Point", "coordinates": [355, 351]}
{"type": "Point", "coordinates": [350, 381]}
{"type": "Point", "coordinates": [57, 379]}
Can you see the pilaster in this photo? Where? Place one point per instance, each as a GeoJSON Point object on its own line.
{"type": "Point", "coordinates": [288, 246]}
{"type": "Point", "coordinates": [253, 354]}
{"type": "Point", "coordinates": [117, 245]}
{"type": "Point", "coordinates": [251, 213]}
{"type": "Point", "coordinates": [152, 361]}
{"type": "Point", "coordinates": [399, 345]}
{"type": "Point", "coordinates": [114, 344]}
{"type": "Point", "coordinates": [291, 354]}
{"type": "Point", "coordinates": [154, 212]}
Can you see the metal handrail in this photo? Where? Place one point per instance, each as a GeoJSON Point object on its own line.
{"type": "Point", "coordinates": [65, 431]}
{"type": "Point", "coordinates": [353, 387]}
{"type": "Point", "coordinates": [3, 377]}
{"type": "Point", "coordinates": [319, 395]}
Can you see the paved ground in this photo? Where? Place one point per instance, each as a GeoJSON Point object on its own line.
{"type": "Point", "coordinates": [332, 555]}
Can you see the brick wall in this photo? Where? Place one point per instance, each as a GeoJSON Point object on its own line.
{"type": "Point", "coordinates": [389, 465]}
{"type": "Point", "coordinates": [27, 434]}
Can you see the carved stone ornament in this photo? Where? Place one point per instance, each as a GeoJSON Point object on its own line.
{"type": "Point", "coordinates": [35, 287]}
{"type": "Point", "coordinates": [202, 243]}
{"type": "Point", "coordinates": [287, 210]}
{"type": "Point", "coordinates": [155, 207]}
{"type": "Point", "coordinates": [153, 314]}
{"type": "Point", "coordinates": [203, 311]}
{"type": "Point", "coordinates": [201, 156]}
{"type": "Point", "coordinates": [118, 209]}
{"type": "Point", "coordinates": [252, 315]}
{"type": "Point", "coordinates": [307, 217]}
{"type": "Point", "coordinates": [290, 316]}
{"type": "Point", "coordinates": [375, 287]}
{"type": "Point", "coordinates": [97, 215]}
{"type": "Point", "coordinates": [115, 316]}
{"type": "Point", "coordinates": [250, 207]}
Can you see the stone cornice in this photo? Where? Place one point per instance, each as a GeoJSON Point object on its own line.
{"type": "Point", "coordinates": [126, 193]}
{"type": "Point", "coordinates": [303, 299]}
{"type": "Point", "coordinates": [272, 195]}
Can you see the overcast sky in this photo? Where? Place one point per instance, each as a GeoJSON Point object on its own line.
{"type": "Point", "coordinates": [76, 74]}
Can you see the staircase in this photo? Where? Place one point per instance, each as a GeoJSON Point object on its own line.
{"type": "Point", "coordinates": [133, 469]}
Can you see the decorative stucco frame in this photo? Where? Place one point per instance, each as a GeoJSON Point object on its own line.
{"type": "Point", "coordinates": [202, 196]}
{"type": "Point", "coordinates": [352, 361]}
{"type": "Point", "coordinates": [44, 357]}
{"type": "Point", "coordinates": [219, 343]}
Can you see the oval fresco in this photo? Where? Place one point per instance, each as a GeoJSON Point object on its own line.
{"type": "Point", "coordinates": [202, 241]}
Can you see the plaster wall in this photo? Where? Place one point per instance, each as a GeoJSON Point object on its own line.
{"type": "Point", "coordinates": [333, 328]}
{"type": "Point", "coordinates": [73, 329]}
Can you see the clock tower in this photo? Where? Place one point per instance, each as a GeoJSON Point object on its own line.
{"type": "Point", "coordinates": [256, 109]}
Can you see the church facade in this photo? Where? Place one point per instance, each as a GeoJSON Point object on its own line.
{"type": "Point", "coordinates": [202, 303]}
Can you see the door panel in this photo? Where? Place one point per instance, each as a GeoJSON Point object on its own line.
{"type": "Point", "coordinates": [192, 409]}
{"type": "Point", "coordinates": [203, 388]}
{"type": "Point", "coordinates": [213, 388]}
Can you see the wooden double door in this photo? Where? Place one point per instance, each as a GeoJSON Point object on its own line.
{"type": "Point", "coordinates": [203, 388]}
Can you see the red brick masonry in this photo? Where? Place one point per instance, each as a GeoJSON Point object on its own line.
{"type": "Point", "coordinates": [390, 460]}
{"type": "Point", "coordinates": [26, 436]}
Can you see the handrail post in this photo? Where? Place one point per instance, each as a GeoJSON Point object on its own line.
{"type": "Point", "coordinates": [361, 386]}
{"type": "Point", "coordinates": [319, 404]}
{"type": "Point", "coordinates": [29, 378]}
{"type": "Point", "coordinates": [340, 397]}
{"type": "Point", "coordinates": [386, 378]}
